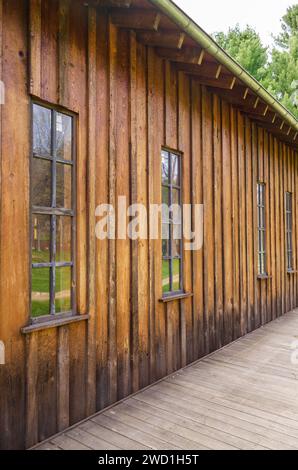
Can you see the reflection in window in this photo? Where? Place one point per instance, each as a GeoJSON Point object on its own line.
{"type": "Point", "coordinates": [289, 231]}
{"type": "Point", "coordinates": [52, 213]}
{"type": "Point", "coordinates": [171, 223]}
{"type": "Point", "coordinates": [261, 202]}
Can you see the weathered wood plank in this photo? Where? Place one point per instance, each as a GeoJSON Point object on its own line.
{"type": "Point", "coordinates": [236, 187]}
{"type": "Point", "coordinates": [112, 314]}
{"type": "Point", "coordinates": [209, 325]}
{"type": "Point", "coordinates": [35, 47]}
{"type": "Point", "coordinates": [102, 197]}
{"type": "Point", "coordinates": [123, 264]}
{"type": "Point", "coordinates": [242, 225]}
{"type": "Point", "coordinates": [218, 242]}
{"type": "Point", "coordinates": [50, 52]}
{"type": "Point", "coordinates": [156, 138]}
{"type": "Point", "coordinates": [63, 378]}
{"type": "Point", "coordinates": [227, 224]}
{"type": "Point", "coordinates": [14, 220]}
{"type": "Point", "coordinates": [31, 390]}
{"type": "Point", "coordinates": [197, 198]}
{"type": "Point", "coordinates": [186, 321]}
{"type": "Point", "coordinates": [91, 205]}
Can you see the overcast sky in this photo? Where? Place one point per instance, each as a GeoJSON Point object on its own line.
{"type": "Point", "coordinates": [219, 15]}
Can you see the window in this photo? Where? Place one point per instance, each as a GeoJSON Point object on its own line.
{"type": "Point", "coordinates": [172, 244]}
{"type": "Point", "coordinates": [289, 231]}
{"type": "Point", "coordinates": [52, 213]}
{"type": "Point", "coordinates": [261, 201]}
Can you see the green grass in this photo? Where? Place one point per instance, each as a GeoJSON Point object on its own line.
{"type": "Point", "coordinates": [40, 256]}
{"type": "Point", "coordinates": [44, 256]}
{"type": "Point", "coordinates": [41, 284]}
{"type": "Point", "coordinates": [165, 275]}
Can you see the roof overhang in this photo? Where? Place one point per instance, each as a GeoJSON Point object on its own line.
{"type": "Point", "coordinates": [176, 37]}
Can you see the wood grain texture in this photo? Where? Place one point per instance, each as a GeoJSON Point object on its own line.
{"type": "Point", "coordinates": [35, 47]}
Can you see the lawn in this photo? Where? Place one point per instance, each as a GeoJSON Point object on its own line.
{"type": "Point", "coordinates": [166, 275]}
{"type": "Point", "coordinates": [41, 287]}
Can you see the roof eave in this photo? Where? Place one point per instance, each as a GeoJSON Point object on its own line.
{"type": "Point", "coordinates": [183, 21]}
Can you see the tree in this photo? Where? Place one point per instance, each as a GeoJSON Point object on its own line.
{"type": "Point", "coordinates": [289, 27]}
{"type": "Point", "coordinates": [245, 46]}
{"type": "Point", "coordinates": [277, 71]}
{"type": "Point", "coordinates": [282, 73]}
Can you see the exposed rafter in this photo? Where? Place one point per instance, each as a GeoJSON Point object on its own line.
{"type": "Point", "coordinates": [110, 3]}
{"type": "Point", "coordinates": [189, 55]}
{"type": "Point", "coordinates": [168, 39]}
{"type": "Point", "coordinates": [135, 18]}
{"type": "Point", "coordinates": [225, 83]}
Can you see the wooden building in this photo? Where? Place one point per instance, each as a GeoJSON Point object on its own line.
{"type": "Point", "coordinates": [98, 94]}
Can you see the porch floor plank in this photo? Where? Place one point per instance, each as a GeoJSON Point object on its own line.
{"type": "Point", "coordinates": [244, 396]}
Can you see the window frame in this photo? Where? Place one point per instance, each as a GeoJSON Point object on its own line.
{"type": "Point", "coordinates": [174, 293]}
{"type": "Point", "coordinates": [262, 254]}
{"type": "Point", "coordinates": [289, 231]}
{"type": "Point", "coordinates": [51, 211]}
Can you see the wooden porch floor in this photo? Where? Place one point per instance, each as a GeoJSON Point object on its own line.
{"type": "Point", "coordinates": [244, 396]}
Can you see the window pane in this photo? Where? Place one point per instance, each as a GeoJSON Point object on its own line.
{"type": "Point", "coordinates": [175, 161]}
{"type": "Point", "coordinates": [165, 202]}
{"type": "Point", "coordinates": [64, 136]}
{"type": "Point", "coordinates": [176, 275]}
{"type": "Point", "coordinates": [42, 118]}
{"type": "Point", "coordinates": [177, 232]}
{"type": "Point", "coordinates": [176, 212]}
{"type": "Point", "coordinates": [40, 292]}
{"type": "Point", "coordinates": [166, 276]}
{"type": "Point", "coordinates": [262, 194]}
{"type": "Point", "coordinates": [41, 183]}
{"type": "Point", "coordinates": [41, 238]}
{"type": "Point", "coordinates": [64, 186]}
{"type": "Point", "coordinates": [165, 167]}
{"type": "Point", "coordinates": [63, 290]}
{"type": "Point", "coordinates": [176, 248]}
{"type": "Point", "coordinates": [165, 240]}
{"type": "Point", "coordinates": [63, 239]}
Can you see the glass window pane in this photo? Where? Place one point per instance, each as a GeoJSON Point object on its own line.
{"type": "Point", "coordinates": [41, 238]}
{"type": "Point", "coordinates": [165, 240]}
{"type": "Point", "coordinates": [176, 275]}
{"type": "Point", "coordinates": [176, 207]}
{"type": "Point", "coordinates": [40, 296]}
{"type": "Point", "coordinates": [176, 196]}
{"type": "Point", "coordinates": [64, 186]}
{"type": "Point", "coordinates": [63, 290]}
{"type": "Point", "coordinates": [176, 248]}
{"type": "Point", "coordinates": [177, 232]}
{"type": "Point", "coordinates": [175, 176]}
{"type": "Point", "coordinates": [262, 194]}
{"type": "Point", "coordinates": [165, 202]}
{"type": "Point", "coordinates": [42, 118]}
{"type": "Point", "coordinates": [166, 276]}
{"type": "Point", "coordinates": [63, 239]}
{"type": "Point", "coordinates": [41, 183]}
{"type": "Point", "coordinates": [63, 136]}
{"type": "Point", "coordinates": [165, 167]}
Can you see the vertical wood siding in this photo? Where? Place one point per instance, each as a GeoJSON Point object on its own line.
{"type": "Point", "coordinates": [129, 104]}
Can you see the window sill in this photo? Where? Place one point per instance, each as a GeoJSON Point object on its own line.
{"type": "Point", "coordinates": [55, 323]}
{"type": "Point", "coordinates": [179, 296]}
{"type": "Point", "coordinates": [262, 277]}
